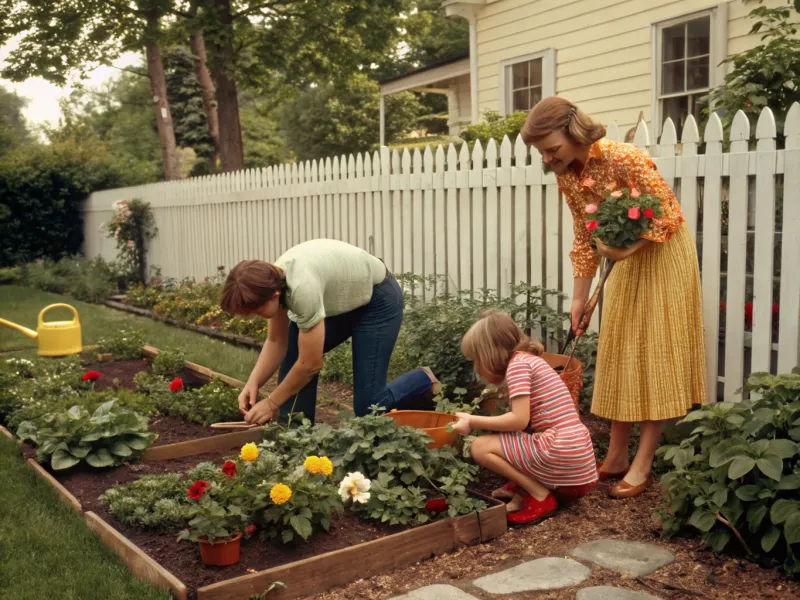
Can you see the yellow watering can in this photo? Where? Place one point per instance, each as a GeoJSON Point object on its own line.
{"type": "Point", "coordinates": [56, 338]}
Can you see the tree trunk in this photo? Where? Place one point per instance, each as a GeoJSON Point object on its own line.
{"type": "Point", "coordinates": [158, 85]}
{"type": "Point", "coordinates": [230, 131]}
{"type": "Point", "coordinates": [198, 46]}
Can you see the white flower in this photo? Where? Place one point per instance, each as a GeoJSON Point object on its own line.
{"type": "Point", "coordinates": [356, 487]}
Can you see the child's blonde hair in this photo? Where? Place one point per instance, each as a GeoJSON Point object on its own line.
{"type": "Point", "coordinates": [492, 341]}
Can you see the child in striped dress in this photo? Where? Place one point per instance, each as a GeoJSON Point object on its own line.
{"type": "Point", "coordinates": [541, 446]}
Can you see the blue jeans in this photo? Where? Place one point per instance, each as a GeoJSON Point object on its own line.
{"type": "Point", "coordinates": [374, 329]}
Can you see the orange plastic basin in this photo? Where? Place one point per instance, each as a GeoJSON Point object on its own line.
{"type": "Point", "coordinates": [433, 424]}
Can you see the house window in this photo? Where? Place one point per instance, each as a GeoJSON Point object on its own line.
{"type": "Point", "coordinates": [687, 53]}
{"type": "Point", "coordinates": [527, 79]}
{"type": "Point", "coordinates": [526, 85]}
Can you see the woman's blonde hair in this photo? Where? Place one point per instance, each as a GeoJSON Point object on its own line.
{"type": "Point", "coordinates": [554, 114]}
{"type": "Point", "coordinates": [492, 341]}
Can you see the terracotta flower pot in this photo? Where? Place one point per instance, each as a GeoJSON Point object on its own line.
{"type": "Point", "coordinates": [220, 553]}
{"type": "Point", "coordinates": [432, 423]}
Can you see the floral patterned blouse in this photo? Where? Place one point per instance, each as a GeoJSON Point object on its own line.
{"type": "Point", "coordinates": [611, 165]}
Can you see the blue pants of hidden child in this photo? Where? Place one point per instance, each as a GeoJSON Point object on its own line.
{"type": "Point", "coordinates": [374, 329]}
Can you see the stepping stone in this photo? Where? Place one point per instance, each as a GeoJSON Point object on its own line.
{"type": "Point", "coordinates": [628, 558]}
{"type": "Point", "coordinates": [539, 574]}
{"type": "Point", "coordinates": [611, 593]}
{"type": "Point", "coordinates": [436, 592]}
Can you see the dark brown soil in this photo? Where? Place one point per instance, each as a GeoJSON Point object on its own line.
{"type": "Point", "coordinates": [182, 559]}
{"type": "Point", "coordinates": [172, 430]}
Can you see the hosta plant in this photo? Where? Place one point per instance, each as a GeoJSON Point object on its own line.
{"type": "Point", "coordinates": [736, 478]}
{"type": "Point", "coordinates": [107, 437]}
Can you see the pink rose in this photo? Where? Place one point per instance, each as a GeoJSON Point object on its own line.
{"type": "Point", "coordinates": [591, 209]}
{"type": "Point", "coordinates": [130, 243]}
{"type": "Point", "coordinates": [588, 182]}
{"type": "Point", "coordinates": [633, 213]}
{"type": "Point", "coordinates": [635, 193]}
{"type": "Point", "coordinates": [617, 194]}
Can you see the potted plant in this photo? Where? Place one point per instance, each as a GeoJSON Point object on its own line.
{"type": "Point", "coordinates": [215, 526]}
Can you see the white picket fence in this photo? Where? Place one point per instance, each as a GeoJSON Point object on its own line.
{"type": "Point", "coordinates": [491, 217]}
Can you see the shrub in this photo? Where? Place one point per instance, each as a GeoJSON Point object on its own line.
{"type": "Point", "coordinates": [125, 344]}
{"type": "Point", "coordinates": [495, 127]}
{"type": "Point", "coordinates": [212, 403]}
{"type": "Point", "coordinates": [10, 275]}
{"type": "Point", "coordinates": [168, 363]}
{"type": "Point", "coordinates": [738, 472]}
{"type": "Point", "coordinates": [104, 438]}
{"type": "Point", "coordinates": [131, 227]}
{"type": "Point", "coordinates": [89, 280]}
{"type": "Point", "coordinates": [434, 124]}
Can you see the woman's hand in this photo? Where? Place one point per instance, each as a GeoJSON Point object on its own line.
{"type": "Point", "coordinates": [576, 315]}
{"type": "Point", "coordinates": [261, 413]}
{"type": "Point", "coordinates": [617, 254]}
{"type": "Point", "coordinates": [248, 397]}
{"type": "Point", "coordinates": [462, 426]}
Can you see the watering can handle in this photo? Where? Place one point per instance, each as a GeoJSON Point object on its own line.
{"type": "Point", "coordinates": [45, 309]}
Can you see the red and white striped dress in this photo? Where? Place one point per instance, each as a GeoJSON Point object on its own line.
{"type": "Point", "coordinates": [556, 447]}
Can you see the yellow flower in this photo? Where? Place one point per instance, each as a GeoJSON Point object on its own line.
{"type": "Point", "coordinates": [325, 466]}
{"type": "Point", "coordinates": [249, 452]}
{"type": "Point", "coordinates": [312, 464]}
{"type": "Point", "coordinates": [280, 493]}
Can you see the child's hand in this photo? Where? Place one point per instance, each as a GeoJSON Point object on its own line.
{"type": "Point", "coordinates": [462, 426]}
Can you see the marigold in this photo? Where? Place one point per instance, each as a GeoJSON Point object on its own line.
{"type": "Point", "coordinates": [280, 493]}
{"type": "Point", "coordinates": [312, 464]}
{"type": "Point", "coordinates": [249, 452]}
{"type": "Point", "coordinates": [325, 465]}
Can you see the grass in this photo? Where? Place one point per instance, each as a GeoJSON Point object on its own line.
{"type": "Point", "coordinates": [22, 305]}
{"type": "Point", "coordinates": [46, 551]}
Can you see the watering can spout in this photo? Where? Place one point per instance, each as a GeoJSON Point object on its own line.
{"type": "Point", "coordinates": [23, 330]}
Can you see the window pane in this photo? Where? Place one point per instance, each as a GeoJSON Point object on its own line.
{"type": "Point", "coordinates": [536, 96]}
{"type": "Point", "coordinates": [699, 36]}
{"type": "Point", "coordinates": [522, 100]}
{"type": "Point", "coordinates": [673, 42]}
{"type": "Point", "coordinates": [698, 104]}
{"type": "Point", "coordinates": [676, 109]}
{"type": "Point", "coordinates": [697, 73]}
{"type": "Point", "coordinates": [536, 72]}
{"type": "Point", "coordinates": [672, 77]}
{"type": "Point", "coordinates": [520, 75]}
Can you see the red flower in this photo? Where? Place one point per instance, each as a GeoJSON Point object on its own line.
{"type": "Point", "coordinates": [176, 385]}
{"type": "Point", "coordinates": [437, 505]}
{"type": "Point", "coordinates": [197, 489]}
{"type": "Point", "coordinates": [591, 225]}
{"type": "Point", "coordinates": [90, 376]}
{"type": "Point", "coordinates": [229, 468]}
{"type": "Point", "coordinates": [648, 213]}
{"type": "Point", "coordinates": [250, 529]}
{"type": "Point", "coordinates": [634, 213]}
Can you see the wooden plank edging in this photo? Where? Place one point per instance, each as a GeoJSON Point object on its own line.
{"type": "Point", "coordinates": [225, 441]}
{"type": "Point", "coordinates": [5, 432]}
{"type": "Point", "coordinates": [65, 495]}
{"type": "Point", "coordinates": [139, 564]}
{"type": "Point", "coordinates": [200, 371]}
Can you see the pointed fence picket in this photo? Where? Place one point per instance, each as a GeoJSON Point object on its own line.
{"type": "Point", "coordinates": [487, 216]}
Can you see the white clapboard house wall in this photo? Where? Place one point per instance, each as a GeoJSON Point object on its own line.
{"type": "Point", "coordinates": [490, 217]}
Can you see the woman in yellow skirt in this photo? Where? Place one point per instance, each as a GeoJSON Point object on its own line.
{"type": "Point", "coordinates": [651, 359]}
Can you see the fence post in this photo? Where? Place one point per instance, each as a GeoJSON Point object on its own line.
{"type": "Point", "coordinates": [789, 326]}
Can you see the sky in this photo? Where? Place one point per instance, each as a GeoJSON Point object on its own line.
{"type": "Point", "coordinates": [43, 96]}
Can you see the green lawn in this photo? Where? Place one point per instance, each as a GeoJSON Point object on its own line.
{"type": "Point", "coordinates": [22, 305]}
{"type": "Point", "coordinates": [46, 551]}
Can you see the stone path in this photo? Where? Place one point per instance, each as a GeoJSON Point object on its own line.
{"type": "Point", "coordinates": [630, 559]}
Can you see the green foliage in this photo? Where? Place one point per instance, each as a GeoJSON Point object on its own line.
{"type": "Point", "coordinates": [89, 280]}
{"type": "Point", "coordinates": [153, 501]}
{"type": "Point", "coordinates": [343, 118]}
{"type": "Point", "coordinates": [766, 75]}
{"type": "Point", "coordinates": [168, 363]}
{"type": "Point", "coordinates": [10, 275]}
{"type": "Point", "coordinates": [434, 124]}
{"type": "Point", "coordinates": [13, 130]}
{"type": "Point", "coordinates": [262, 139]}
{"type": "Point", "coordinates": [741, 464]}
{"type": "Point", "coordinates": [124, 344]}
{"type": "Point", "coordinates": [131, 227]}
{"type": "Point", "coordinates": [495, 127]}
{"type": "Point", "coordinates": [615, 227]}
{"type": "Point", "coordinates": [212, 403]}
{"type": "Point", "coordinates": [403, 471]}
{"type": "Point", "coordinates": [104, 438]}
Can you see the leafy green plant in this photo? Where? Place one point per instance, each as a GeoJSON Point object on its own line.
{"type": "Point", "coordinates": [104, 438]}
{"type": "Point", "coordinates": [10, 275]}
{"type": "Point", "coordinates": [142, 296]}
{"type": "Point", "coordinates": [737, 474]}
{"type": "Point", "coordinates": [153, 501]}
{"type": "Point", "coordinates": [125, 344]}
{"type": "Point", "coordinates": [131, 227]}
{"type": "Point", "coordinates": [495, 127]}
{"type": "Point", "coordinates": [212, 403]}
{"type": "Point", "coordinates": [168, 363]}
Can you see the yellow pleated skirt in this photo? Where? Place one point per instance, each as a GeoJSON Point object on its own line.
{"type": "Point", "coordinates": [651, 358]}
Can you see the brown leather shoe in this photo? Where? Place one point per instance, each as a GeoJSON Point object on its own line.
{"type": "Point", "coordinates": [625, 490]}
{"type": "Point", "coordinates": [603, 475]}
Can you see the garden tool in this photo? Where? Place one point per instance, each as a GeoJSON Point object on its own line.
{"type": "Point", "coordinates": [588, 310]}
{"type": "Point", "coordinates": [55, 338]}
{"type": "Point", "coordinates": [233, 425]}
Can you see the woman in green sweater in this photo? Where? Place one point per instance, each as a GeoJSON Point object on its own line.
{"type": "Point", "coordinates": [316, 296]}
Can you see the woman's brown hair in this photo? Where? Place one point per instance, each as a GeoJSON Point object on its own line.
{"type": "Point", "coordinates": [249, 285]}
{"type": "Point", "coordinates": [554, 114]}
{"type": "Point", "coordinates": [491, 342]}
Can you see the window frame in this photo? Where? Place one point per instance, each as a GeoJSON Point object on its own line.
{"type": "Point", "coordinates": [718, 51]}
{"type": "Point", "coordinates": [506, 77]}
